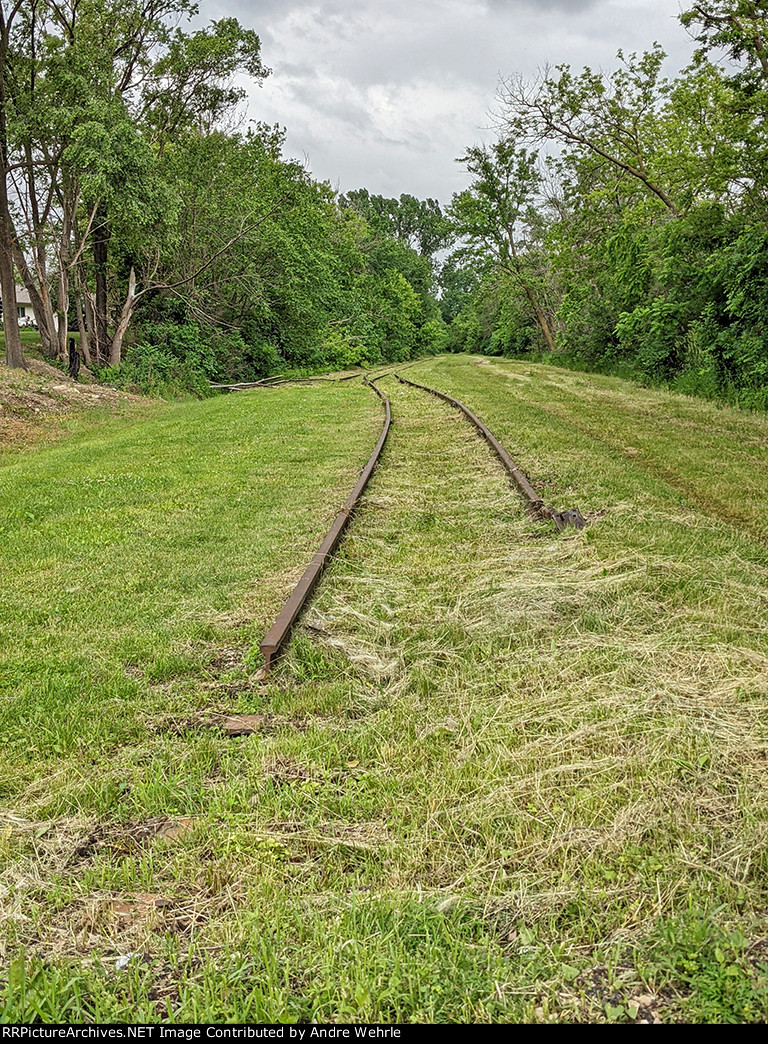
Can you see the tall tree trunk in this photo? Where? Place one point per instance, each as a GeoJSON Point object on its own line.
{"type": "Point", "coordinates": [116, 348]}
{"type": "Point", "coordinates": [63, 297]}
{"type": "Point", "coordinates": [541, 317]}
{"type": "Point", "coordinates": [41, 304]}
{"type": "Point", "coordinates": [61, 313]}
{"type": "Point", "coordinates": [40, 299]}
{"type": "Point", "coordinates": [84, 343]}
{"type": "Point", "coordinates": [100, 258]}
{"type": "Point", "coordinates": [90, 321]}
{"type": "Point", "coordinates": [514, 271]}
{"type": "Point", "coordinates": [14, 356]}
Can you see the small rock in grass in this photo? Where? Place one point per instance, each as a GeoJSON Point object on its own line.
{"type": "Point", "coordinates": [243, 724]}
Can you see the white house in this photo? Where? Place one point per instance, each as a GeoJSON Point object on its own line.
{"type": "Point", "coordinates": [24, 307]}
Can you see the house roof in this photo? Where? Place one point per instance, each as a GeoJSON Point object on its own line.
{"type": "Point", "coordinates": [22, 295]}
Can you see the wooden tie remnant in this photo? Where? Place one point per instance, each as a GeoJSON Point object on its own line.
{"type": "Point", "coordinates": [234, 725]}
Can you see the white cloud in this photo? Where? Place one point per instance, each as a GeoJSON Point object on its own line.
{"type": "Point", "coordinates": [386, 95]}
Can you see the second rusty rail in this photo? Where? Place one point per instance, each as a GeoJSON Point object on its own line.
{"type": "Point", "coordinates": [535, 506]}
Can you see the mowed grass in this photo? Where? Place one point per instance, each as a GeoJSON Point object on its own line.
{"type": "Point", "coordinates": [134, 551]}
{"type": "Point", "coordinates": [501, 773]}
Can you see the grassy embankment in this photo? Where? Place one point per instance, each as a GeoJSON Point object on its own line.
{"type": "Point", "coordinates": [501, 773]}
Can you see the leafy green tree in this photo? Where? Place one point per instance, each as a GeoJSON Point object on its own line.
{"type": "Point", "coordinates": [635, 206]}
{"type": "Point", "coordinates": [14, 356]}
{"type": "Point", "coordinates": [420, 224]}
{"type": "Point", "coordinates": [611, 117]}
{"type": "Point", "coordinates": [496, 217]}
{"type": "Point", "coordinates": [739, 27]}
{"type": "Point", "coordinates": [106, 86]}
{"type": "Point", "coordinates": [305, 281]}
{"type": "Point", "coordinates": [458, 281]}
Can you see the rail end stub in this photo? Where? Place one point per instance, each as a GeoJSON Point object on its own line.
{"type": "Point", "coordinates": [268, 650]}
{"type": "Point", "coordinates": [570, 517]}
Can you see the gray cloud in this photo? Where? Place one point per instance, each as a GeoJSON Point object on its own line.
{"type": "Point", "coordinates": [565, 5]}
{"type": "Point", "coordinates": [386, 95]}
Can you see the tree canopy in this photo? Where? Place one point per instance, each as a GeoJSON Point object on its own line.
{"type": "Point", "coordinates": [617, 221]}
{"type": "Point", "coordinates": [137, 213]}
{"type": "Point", "coordinates": [628, 209]}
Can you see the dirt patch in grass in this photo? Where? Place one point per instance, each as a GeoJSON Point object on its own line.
{"type": "Point", "coordinates": [284, 770]}
{"type": "Point", "coordinates": [757, 954]}
{"type": "Point", "coordinates": [33, 404]}
{"type": "Point", "coordinates": [124, 838]}
{"type": "Point", "coordinates": [125, 927]}
{"type": "Point", "coordinates": [227, 660]}
{"type": "Point", "coordinates": [597, 991]}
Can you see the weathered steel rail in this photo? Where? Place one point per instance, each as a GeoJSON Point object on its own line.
{"type": "Point", "coordinates": [276, 381]}
{"type": "Point", "coordinates": [265, 382]}
{"type": "Point", "coordinates": [535, 506]}
{"type": "Point", "coordinates": [281, 628]}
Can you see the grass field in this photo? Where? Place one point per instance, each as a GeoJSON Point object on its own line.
{"type": "Point", "coordinates": [500, 774]}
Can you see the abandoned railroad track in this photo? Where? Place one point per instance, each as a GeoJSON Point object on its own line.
{"type": "Point", "coordinates": [280, 630]}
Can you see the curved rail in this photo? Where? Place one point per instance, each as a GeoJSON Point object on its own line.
{"type": "Point", "coordinates": [279, 379]}
{"type": "Point", "coordinates": [281, 628]}
{"type": "Point", "coordinates": [535, 506]}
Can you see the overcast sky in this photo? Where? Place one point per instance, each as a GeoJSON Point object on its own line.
{"type": "Point", "coordinates": [386, 95]}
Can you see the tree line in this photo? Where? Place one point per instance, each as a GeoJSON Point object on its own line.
{"type": "Point", "coordinates": [619, 219]}
{"type": "Point", "coordinates": [179, 248]}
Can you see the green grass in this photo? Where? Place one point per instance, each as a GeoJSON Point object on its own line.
{"type": "Point", "coordinates": [30, 338]}
{"type": "Point", "coordinates": [501, 774]}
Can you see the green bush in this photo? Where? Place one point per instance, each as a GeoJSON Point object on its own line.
{"type": "Point", "coordinates": [652, 337]}
{"type": "Point", "coordinates": [432, 338]}
{"type": "Point", "coordinates": [341, 353]}
{"type": "Point", "coordinates": [156, 371]}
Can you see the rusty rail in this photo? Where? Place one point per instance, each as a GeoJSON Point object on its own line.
{"type": "Point", "coordinates": [265, 382]}
{"type": "Point", "coordinates": [281, 628]}
{"type": "Point", "coordinates": [535, 506]}
{"type": "Point", "coordinates": [280, 379]}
